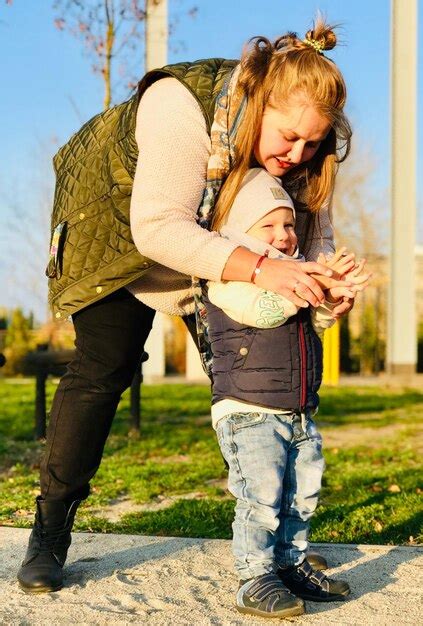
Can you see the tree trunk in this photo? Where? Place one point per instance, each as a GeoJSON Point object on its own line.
{"type": "Point", "coordinates": [110, 38]}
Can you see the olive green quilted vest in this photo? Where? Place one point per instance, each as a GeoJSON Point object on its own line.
{"type": "Point", "coordinates": [92, 252]}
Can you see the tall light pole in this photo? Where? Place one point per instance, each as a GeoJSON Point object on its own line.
{"type": "Point", "coordinates": [402, 332]}
{"type": "Point", "coordinates": [156, 34]}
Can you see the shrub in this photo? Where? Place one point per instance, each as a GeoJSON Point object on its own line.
{"type": "Point", "coordinates": [18, 342]}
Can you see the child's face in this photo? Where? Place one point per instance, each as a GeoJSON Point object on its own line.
{"type": "Point", "coordinates": [277, 229]}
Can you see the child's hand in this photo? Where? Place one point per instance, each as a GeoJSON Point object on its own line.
{"type": "Point", "coordinates": [341, 262]}
{"type": "Point", "coordinates": [356, 278]}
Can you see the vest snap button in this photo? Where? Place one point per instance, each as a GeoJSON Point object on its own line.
{"type": "Point", "coordinates": [99, 289]}
{"type": "Point", "coordinates": [81, 216]}
{"type": "Point", "coordinates": [145, 264]}
{"type": "Point", "coordinates": [58, 314]}
{"type": "Point", "coordinates": [243, 351]}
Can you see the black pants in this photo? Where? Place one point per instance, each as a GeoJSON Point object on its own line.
{"type": "Point", "coordinates": [110, 338]}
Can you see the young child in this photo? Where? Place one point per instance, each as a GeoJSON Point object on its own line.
{"type": "Point", "coordinates": [267, 369]}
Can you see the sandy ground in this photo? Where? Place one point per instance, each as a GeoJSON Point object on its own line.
{"type": "Point", "coordinates": [126, 579]}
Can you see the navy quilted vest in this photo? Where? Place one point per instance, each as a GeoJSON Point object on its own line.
{"type": "Point", "coordinates": [279, 368]}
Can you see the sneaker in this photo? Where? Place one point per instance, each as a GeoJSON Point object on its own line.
{"type": "Point", "coordinates": [266, 596]}
{"type": "Point", "coordinates": [317, 561]}
{"type": "Point", "coordinates": [303, 581]}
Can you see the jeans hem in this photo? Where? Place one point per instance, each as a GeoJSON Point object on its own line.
{"type": "Point", "coordinates": [284, 564]}
{"type": "Point", "coordinates": [256, 572]}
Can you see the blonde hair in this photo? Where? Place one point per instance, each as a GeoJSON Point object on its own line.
{"type": "Point", "coordinates": [271, 73]}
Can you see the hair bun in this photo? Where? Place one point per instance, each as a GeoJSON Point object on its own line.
{"type": "Point", "coordinates": [322, 34]}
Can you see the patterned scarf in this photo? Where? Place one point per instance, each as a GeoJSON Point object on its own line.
{"type": "Point", "coordinates": [230, 106]}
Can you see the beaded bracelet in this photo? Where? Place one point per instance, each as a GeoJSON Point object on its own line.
{"type": "Point", "coordinates": [257, 269]}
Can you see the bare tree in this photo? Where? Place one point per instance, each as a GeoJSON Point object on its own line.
{"type": "Point", "coordinates": [360, 217]}
{"type": "Point", "coordinates": [24, 241]}
{"type": "Point", "coordinates": [112, 32]}
{"type": "Point", "coordinates": [109, 29]}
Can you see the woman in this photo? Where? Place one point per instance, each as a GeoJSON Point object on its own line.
{"type": "Point", "coordinates": [281, 108]}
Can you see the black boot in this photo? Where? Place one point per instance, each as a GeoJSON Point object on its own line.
{"type": "Point", "coordinates": [48, 546]}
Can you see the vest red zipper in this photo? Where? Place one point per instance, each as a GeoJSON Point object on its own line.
{"type": "Point", "coordinates": [303, 366]}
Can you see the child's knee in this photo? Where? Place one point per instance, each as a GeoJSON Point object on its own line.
{"type": "Point", "coordinates": [257, 514]}
{"type": "Point", "coordinates": [305, 507]}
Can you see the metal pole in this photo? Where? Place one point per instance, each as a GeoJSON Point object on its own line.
{"type": "Point", "coordinates": [402, 335]}
{"type": "Point", "coordinates": [156, 33]}
{"type": "Point", "coordinates": [156, 36]}
{"type": "Point", "coordinates": [331, 351]}
{"type": "Point", "coordinates": [40, 402]}
{"type": "Point", "coordinates": [135, 398]}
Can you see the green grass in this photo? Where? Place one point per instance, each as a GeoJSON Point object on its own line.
{"type": "Point", "coordinates": [371, 492]}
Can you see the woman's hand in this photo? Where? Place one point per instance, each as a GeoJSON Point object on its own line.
{"type": "Point", "coordinates": [292, 280]}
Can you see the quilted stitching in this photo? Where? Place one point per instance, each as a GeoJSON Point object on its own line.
{"type": "Point", "coordinates": [94, 177]}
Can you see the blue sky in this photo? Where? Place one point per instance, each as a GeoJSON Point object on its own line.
{"type": "Point", "coordinates": [48, 88]}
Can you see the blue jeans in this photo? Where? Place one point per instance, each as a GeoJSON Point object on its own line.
{"type": "Point", "coordinates": [275, 471]}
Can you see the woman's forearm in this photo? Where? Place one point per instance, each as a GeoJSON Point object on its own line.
{"type": "Point", "coordinates": [240, 265]}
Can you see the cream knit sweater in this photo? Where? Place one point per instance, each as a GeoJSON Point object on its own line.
{"type": "Point", "coordinates": [174, 149]}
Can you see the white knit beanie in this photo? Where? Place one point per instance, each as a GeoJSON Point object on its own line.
{"type": "Point", "coordinates": [260, 193]}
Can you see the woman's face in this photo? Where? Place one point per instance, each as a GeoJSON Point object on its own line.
{"type": "Point", "coordinates": [289, 136]}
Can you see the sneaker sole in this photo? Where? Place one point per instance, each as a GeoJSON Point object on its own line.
{"type": "Point", "coordinates": [298, 610]}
